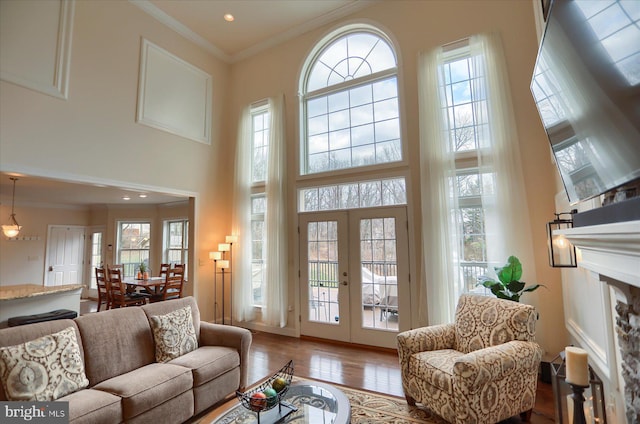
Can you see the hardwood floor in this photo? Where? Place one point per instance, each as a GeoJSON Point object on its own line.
{"type": "Point", "coordinates": [355, 366]}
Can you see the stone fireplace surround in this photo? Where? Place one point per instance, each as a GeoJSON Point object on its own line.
{"type": "Point", "coordinates": [610, 252]}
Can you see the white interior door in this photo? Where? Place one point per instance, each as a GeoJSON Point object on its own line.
{"type": "Point", "coordinates": [65, 253]}
{"type": "Point", "coordinates": [354, 275]}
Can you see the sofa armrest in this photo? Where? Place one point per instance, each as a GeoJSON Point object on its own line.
{"type": "Point", "coordinates": [435, 337]}
{"type": "Point", "coordinates": [495, 363]}
{"type": "Point", "coordinates": [234, 337]}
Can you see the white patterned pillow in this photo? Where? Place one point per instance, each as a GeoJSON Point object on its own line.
{"type": "Point", "coordinates": [173, 334]}
{"type": "Point", "coordinates": [44, 369]}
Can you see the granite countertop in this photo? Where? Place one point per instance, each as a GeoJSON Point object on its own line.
{"type": "Point", "coordinates": [21, 291]}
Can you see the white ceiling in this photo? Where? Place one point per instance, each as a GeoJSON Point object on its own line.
{"type": "Point", "coordinates": [46, 192]}
{"type": "Point", "coordinates": [258, 24]}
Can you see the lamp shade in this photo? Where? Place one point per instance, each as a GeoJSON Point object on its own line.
{"type": "Point", "coordinates": [11, 230]}
{"type": "Point", "coordinates": [562, 254]}
{"type": "Point", "coordinates": [223, 264]}
{"type": "Point", "coordinates": [231, 239]}
{"type": "Point", "coordinates": [214, 256]}
{"type": "Point", "coordinates": [224, 247]}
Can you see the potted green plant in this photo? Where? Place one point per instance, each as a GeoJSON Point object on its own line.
{"type": "Point", "coordinates": [143, 274]}
{"type": "Point", "coordinates": [508, 286]}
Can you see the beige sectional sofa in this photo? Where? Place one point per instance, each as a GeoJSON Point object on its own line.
{"type": "Point", "coordinates": [126, 382]}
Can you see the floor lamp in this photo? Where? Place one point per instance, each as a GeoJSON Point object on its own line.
{"type": "Point", "coordinates": [215, 257]}
{"type": "Point", "coordinates": [222, 265]}
{"type": "Point", "coordinates": [230, 240]}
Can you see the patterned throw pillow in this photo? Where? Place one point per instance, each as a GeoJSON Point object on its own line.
{"type": "Point", "coordinates": [173, 334]}
{"type": "Point", "coordinates": [44, 369]}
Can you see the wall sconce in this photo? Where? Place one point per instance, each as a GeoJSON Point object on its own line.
{"type": "Point", "coordinates": [13, 228]}
{"type": "Point", "coordinates": [594, 405]}
{"type": "Point", "coordinates": [562, 254]}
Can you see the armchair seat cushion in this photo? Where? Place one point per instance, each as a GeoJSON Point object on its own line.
{"type": "Point", "coordinates": [436, 367]}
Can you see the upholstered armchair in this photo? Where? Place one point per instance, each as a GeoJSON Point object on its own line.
{"type": "Point", "coordinates": [483, 368]}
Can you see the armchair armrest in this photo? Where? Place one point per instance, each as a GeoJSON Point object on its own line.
{"type": "Point", "coordinates": [229, 336]}
{"type": "Point", "coordinates": [495, 363]}
{"type": "Point", "coordinates": [435, 337]}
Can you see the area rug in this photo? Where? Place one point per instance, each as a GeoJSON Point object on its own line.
{"type": "Point", "coordinates": [372, 407]}
{"type": "Point", "coordinates": [366, 407]}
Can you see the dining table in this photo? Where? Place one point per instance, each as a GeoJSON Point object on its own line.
{"type": "Point", "coordinates": [150, 285]}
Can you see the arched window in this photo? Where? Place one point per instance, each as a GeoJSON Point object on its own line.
{"type": "Point", "coordinates": [350, 113]}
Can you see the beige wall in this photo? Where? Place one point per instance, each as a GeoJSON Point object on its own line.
{"type": "Point", "coordinates": [23, 261]}
{"type": "Point", "coordinates": [417, 26]}
{"type": "Point", "coordinates": [94, 134]}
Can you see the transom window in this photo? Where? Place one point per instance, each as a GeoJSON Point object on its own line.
{"type": "Point", "coordinates": [362, 194]}
{"type": "Point", "coordinates": [350, 104]}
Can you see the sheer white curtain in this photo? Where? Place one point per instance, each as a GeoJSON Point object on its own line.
{"type": "Point", "coordinates": [504, 199]}
{"type": "Point", "coordinates": [441, 284]}
{"type": "Point", "coordinates": [276, 256]}
{"type": "Point", "coordinates": [506, 212]}
{"type": "Point", "coordinates": [242, 281]}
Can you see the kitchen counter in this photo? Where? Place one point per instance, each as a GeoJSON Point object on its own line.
{"type": "Point", "coordinates": [20, 291]}
{"type": "Point", "coordinates": [31, 299]}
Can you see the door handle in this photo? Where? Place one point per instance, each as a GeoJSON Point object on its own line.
{"type": "Point", "coordinates": [50, 268]}
{"type": "Point", "coordinates": [344, 283]}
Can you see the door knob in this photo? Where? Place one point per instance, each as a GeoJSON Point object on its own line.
{"type": "Point", "coordinates": [50, 268]}
{"type": "Point", "coordinates": [344, 283]}
{"type": "Point", "coordinates": [344, 273]}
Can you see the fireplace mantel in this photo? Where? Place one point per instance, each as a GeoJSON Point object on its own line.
{"type": "Point", "coordinates": [612, 250]}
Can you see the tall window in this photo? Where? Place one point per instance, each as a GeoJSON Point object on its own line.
{"type": "Point", "coordinates": [350, 104]}
{"type": "Point", "coordinates": [260, 118]}
{"type": "Point", "coordinates": [134, 239]}
{"type": "Point", "coordinates": [464, 101]}
{"type": "Point", "coordinates": [473, 196]}
{"type": "Point", "coordinates": [176, 242]}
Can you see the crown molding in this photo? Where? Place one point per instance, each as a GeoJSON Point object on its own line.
{"type": "Point", "coordinates": [180, 28]}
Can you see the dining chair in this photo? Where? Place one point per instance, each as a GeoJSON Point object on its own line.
{"type": "Point", "coordinates": [118, 292]}
{"type": "Point", "coordinates": [103, 292]}
{"type": "Point", "coordinates": [172, 287]}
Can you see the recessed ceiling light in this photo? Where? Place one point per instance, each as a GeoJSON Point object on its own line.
{"type": "Point", "coordinates": [126, 198]}
{"type": "Point", "coordinates": [142, 195]}
{"type": "Point", "coordinates": [229, 17]}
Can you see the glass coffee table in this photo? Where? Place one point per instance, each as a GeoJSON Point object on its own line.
{"type": "Point", "coordinates": [312, 402]}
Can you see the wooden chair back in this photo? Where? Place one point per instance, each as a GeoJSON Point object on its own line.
{"type": "Point", "coordinates": [173, 284]}
{"type": "Point", "coordinates": [118, 291]}
{"type": "Point", "coordinates": [103, 292]}
{"type": "Point", "coordinates": [115, 266]}
{"type": "Point", "coordinates": [163, 269]}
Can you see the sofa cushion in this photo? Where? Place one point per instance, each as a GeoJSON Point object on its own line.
{"type": "Point", "coordinates": [435, 367]}
{"type": "Point", "coordinates": [173, 334]}
{"type": "Point", "coordinates": [43, 369]}
{"type": "Point", "coordinates": [93, 406]}
{"type": "Point", "coordinates": [116, 341]}
{"type": "Point", "coordinates": [147, 387]}
{"type": "Point", "coordinates": [208, 362]}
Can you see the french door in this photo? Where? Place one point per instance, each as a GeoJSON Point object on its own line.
{"type": "Point", "coordinates": [354, 275]}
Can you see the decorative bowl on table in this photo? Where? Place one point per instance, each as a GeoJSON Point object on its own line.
{"type": "Point", "coordinates": [270, 393]}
